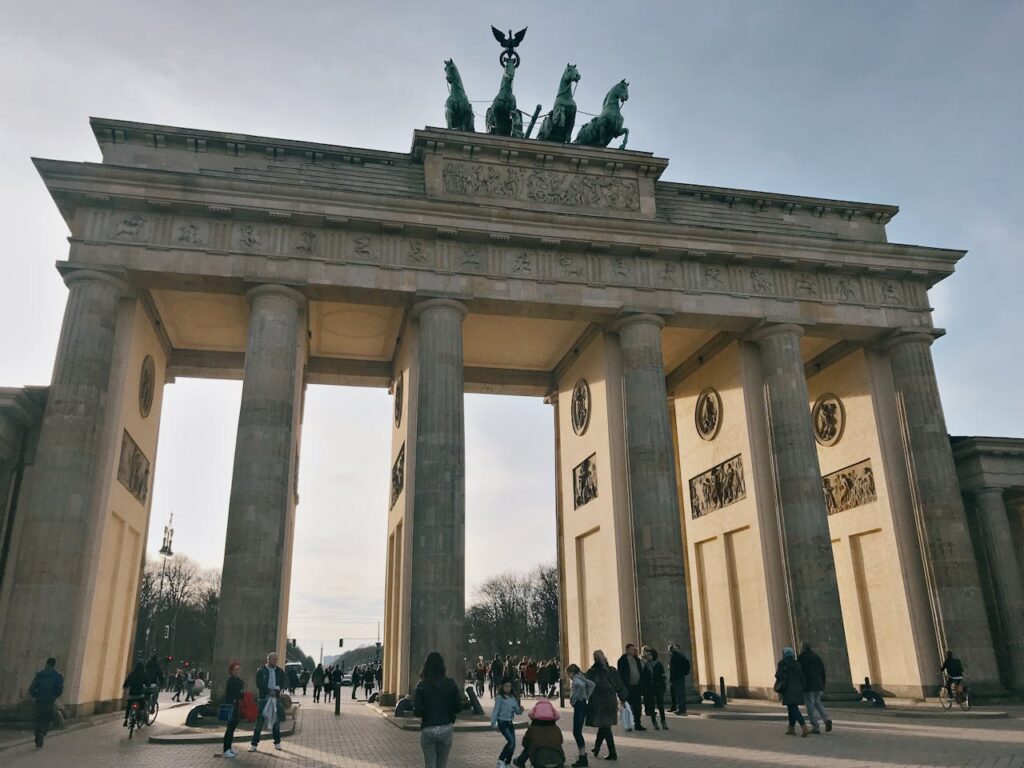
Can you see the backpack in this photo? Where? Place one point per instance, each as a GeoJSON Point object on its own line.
{"type": "Point", "coordinates": [247, 709]}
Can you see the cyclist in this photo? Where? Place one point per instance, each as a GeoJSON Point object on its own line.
{"type": "Point", "coordinates": [156, 680]}
{"type": "Point", "coordinates": [954, 671]}
{"type": "Point", "coordinates": [135, 684]}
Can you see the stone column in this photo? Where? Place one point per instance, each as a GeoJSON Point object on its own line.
{"type": "Point", "coordinates": [261, 510]}
{"type": "Point", "coordinates": [951, 571]}
{"type": "Point", "coordinates": [800, 503]}
{"type": "Point", "coordinates": [54, 565]}
{"type": "Point", "coordinates": [653, 492]}
{"type": "Point", "coordinates": [438, 603]}
{"type": "Point", "coordinates": [1004, 574]}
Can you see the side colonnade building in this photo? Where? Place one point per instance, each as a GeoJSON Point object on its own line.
{"type": "Point", "coordinates": [750, 445]}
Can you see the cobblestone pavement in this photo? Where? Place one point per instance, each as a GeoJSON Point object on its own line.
{"type": "Point", "coordinates": [361, 738]}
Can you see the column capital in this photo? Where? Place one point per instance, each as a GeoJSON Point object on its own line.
{"type": "Point", "coordinates": [275, 289]}
{"type": "Point", "coordinates": [84, 275]}
{"type": "Point", "coordinates": [910, 336]}
{"type": "Point", "coordinates": [767, 329]}
{"type": "Point", "coordinates": [639, 318]}
{"type": "Point", "coordinates": [427, 304]}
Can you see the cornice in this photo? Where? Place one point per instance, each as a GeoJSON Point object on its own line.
{"type": "Point", "coordinates": [75, 184]}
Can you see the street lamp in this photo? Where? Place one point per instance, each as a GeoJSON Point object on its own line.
{"type": "Point", "coordinates": [166, 551]}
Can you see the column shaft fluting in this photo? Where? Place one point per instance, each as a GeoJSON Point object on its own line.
{"type": "Point", "coordinates": [252, 618]}
{"type": "Point", "coordinates": [51, 573]}
{"type": "Point", "coordinates": [1004, 575]}
{"type": "Point", "coordinates": [653, 492]}
{"type": "Point", "coordinates": [803, 520]}
{"type": "Point", "coordinates": [438, 602]}
{"type": "Point", "coordinates": [953, 579]}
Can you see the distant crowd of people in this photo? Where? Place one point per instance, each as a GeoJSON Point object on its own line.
{"type": "Point", "coordinates": [531, 678]}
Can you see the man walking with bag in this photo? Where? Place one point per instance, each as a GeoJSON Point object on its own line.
{"type": "Point", "coordinates": [631, 670]}
{"type": "Point", "coordinates": [46, 688]}
{"type": "Point", "coordinates": [814, 684]}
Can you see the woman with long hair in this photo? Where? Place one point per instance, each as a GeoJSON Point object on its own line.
{"type": "Point", "coordinates": [436, 702]}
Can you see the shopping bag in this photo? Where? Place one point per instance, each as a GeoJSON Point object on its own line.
{"type": "Point", "coordinates": [626, 718]}
{"type": "Point", "coordinates": [247, 707]}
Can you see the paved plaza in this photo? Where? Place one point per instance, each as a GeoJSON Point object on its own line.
{"type": "Point", "coordinates": [361, 738]}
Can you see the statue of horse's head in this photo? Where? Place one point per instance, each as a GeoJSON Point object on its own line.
{"type": "Point", "coordinates": [571, 74]}
{"type": "Point", "coordinates": [451, 72]}
{"type": "Point", "coordinates": [619, 93]}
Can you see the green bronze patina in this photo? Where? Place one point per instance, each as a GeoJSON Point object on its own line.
{"type": "Point", "coordinates": [558, 124]}
{"type": "Point", "coordinates": [503, 117]}
{"type": "Point", "coordinates": [608, 125]}
{"type": "Point", "coordinates": [457, 109]}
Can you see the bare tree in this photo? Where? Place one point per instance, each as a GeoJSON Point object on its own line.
{"type": "Point", "coordinates": [515, 614]}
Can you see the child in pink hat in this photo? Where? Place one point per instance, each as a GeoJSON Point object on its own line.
{"type": "Point", "coordinates": [542, 742]}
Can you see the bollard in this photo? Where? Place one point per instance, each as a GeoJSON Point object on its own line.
{"type": "Point", "coordinates": [337, 698]}
{"type": "Point", "coordinates": [721, 690]}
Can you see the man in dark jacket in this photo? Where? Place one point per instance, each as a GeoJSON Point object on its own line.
{"type": "Point", "coordinates": [270, 682]}
{"type": "Point", "coordinates": [678, 669]}
{"type": "Point", "coordinates": [631, 671]}
{"type": "Point", "coordinates": [814, 684]}
{"type": "Point", "coordinates": [47, 686]}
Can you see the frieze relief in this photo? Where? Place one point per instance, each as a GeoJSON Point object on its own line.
{"type": "Point", "coordinates": [849, 487]}
{"type": "Point", "coordinates": [589, 266]}
{"type": "Point", "coordinates": [571, 190]}
{"type": "Point", "coordinates": [133, 469]}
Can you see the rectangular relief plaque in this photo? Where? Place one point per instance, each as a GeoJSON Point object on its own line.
{"type": "Point", "coordinates": [718, 487]}
{"type": "Point", "coordinates": [133, 469]}
{"type": "Point", "coordinates": [584, 481]}
{"type": "Point", "coordinates": [849, 487]}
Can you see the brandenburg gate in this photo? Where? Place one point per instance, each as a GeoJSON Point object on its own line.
{"type": "Point", "coordinates": [751, 450]}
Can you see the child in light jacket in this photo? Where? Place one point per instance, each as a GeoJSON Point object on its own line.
{"type": "Point", "coordinates": [506, 707]}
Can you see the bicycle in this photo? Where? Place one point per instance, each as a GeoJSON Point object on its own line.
{"type": "Point", "coordinates": [947, 697]}
{"type": "Point", "coordinates": [137, 716]}
{"type": "Point", "coordinates": [153, 708]}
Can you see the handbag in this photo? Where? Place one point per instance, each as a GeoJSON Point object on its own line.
{"type": "Point", "coordinates": [780, 685]}
{"type": "Point", "coordinates": [626, 718]}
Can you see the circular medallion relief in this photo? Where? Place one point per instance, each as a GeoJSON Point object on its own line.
{"type": "Point", "coordinates": [829, 418]}
{"type": "Point", "coordinates": [399, 391]}
{"type": "Point", "coordinates": [147, 385]}
{"type": "Point", "coordinates": [708, 415]}
{"type": "Point", "coordinates": [580, 407]}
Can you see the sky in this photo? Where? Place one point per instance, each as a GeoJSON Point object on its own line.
{"type": "Point", "coordinates": [913, 103]}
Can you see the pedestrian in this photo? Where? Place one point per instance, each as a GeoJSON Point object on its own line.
{"type": "Point", "coordinates": [336, 675]}
{"type": "Point", "coordinates": [631, 670]}
{"type": "Point", "coordinates": [503, 715]}
{"type": "Point", "coordinates": [368, 681]}
{"type": "Point", "coordinates": [530, 674]}
{"type": "Point", "coordinates": [789, 684]}
{"type": "Point", "coordinates": [270, 681]}
{"type": "Point", "coordinates": [603, 712]}
{"type": "Point", "coordinates": [542, 742]}
{"type": "Point", "coordinates": [318, 682]}
{"type": "Point", "coordinates": [233, 692]}
{"type": "Point", "coordinates": [293, 680]}
{"type": "Point", "coordinates": [179, 685]}
{"type": "Point", "coordinates": [655, 685]}
{"type": "Point", "coordinates": [678, 669]}
{"type": "Point", "coordinates": [304, 680]}
{"type": "Point", "coordinates": [814, 684]}
{"type": "Point", "coordinates": [357, 680]}
{"type": "Point", "coordinates": [328, 683]}
{"type": "Point", "coordinates": [494, 676]}
{"type": "Point", "coordinates": [190, 686]}
{"type": "Point", "coordinates": [580, 692]}
{"type": "Point", "coordinates": [155, 672]}
{"type": "Point", "coordinates": [436, 702]}
{"type": "Point", "coordinates": [378, 676]}
{"type": "Point", "coordinates": [46, 688]}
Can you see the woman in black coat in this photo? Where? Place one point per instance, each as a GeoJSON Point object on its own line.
{"type": "Point", "coordinates": [604, 702]}
{"type": "Point", "coordinates": [789, 684]}
{"type": "Point", "coordinates": [233, 692]}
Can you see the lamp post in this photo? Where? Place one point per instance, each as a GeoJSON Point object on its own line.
{"type": "Point", "coordinates": [166, 551]}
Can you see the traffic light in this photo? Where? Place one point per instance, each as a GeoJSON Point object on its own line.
{"type": "Point", "coordinates": [167, 631]}
{"type": "Point", "coordinates": [170, 659]}
{"type": "Point", "coordinates": [341, 642]}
